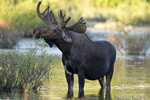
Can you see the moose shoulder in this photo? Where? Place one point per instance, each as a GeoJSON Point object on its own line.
{"type": "Point", "coordinates": [80, 55]}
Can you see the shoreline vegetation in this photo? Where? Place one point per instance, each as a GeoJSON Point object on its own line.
{"type": "Point", "coordinates": [23, 71]}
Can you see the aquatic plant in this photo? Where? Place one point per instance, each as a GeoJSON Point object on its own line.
{"type": "Point", "coordinates": [131, 42]}
{"type": "Point", "coordinates": [23, 70]}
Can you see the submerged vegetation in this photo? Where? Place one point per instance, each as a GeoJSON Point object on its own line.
{"type": "Point", "coordinates": [23, 70]}
{"type": "Point", "coordinates": [130, 42]}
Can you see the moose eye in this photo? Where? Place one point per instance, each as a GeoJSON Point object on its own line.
{"type": "Point", "coordinates": [54, 31]}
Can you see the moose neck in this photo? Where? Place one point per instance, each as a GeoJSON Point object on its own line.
{"type": "Point", "coordinates": [63, 46]}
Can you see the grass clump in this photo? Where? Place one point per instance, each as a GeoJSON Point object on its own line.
{"type": "Point", "coordinates": [23, 70]}
{"type": "Point", "coordinates": [131, 43]}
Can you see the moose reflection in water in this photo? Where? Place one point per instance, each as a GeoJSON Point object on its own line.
{"type": "Point", "coordinates": [101, 95]}
{"type": "Point", "coordinates": [82, 56]}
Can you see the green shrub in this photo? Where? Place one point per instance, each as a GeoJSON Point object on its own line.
{"type": "Point", "coordinates": [9, 38]}
{"type": "Point", "coordinates": [23, 70]}
{"type": "Point", "coordinates": [130, 42]}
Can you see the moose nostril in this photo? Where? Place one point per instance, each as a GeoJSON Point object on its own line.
{"type": "Point", "coordinates": [34, 31]}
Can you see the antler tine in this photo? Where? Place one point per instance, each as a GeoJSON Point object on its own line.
{"type": "Point", "coordinates": [79, 26]}
{"type": "Point", "coordinates": [62, 20]}
{"type": "Point", "coordinates": [44, 13]}
{"type": "Point", "coordinates": [38, 10]}
{"type": "Point", "coordinates": [80, 21]}
{"type": "Point", "coordinates": [46, 16]}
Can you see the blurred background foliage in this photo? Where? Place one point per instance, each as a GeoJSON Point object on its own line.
{"type": "Point", "coordinates": [22, 13]}
{"type": "Point", "coordinates": [130, 42]}
{"type": "Point", "coordinates": [19, 17]}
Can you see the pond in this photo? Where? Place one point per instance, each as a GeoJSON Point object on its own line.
{"type": "Point", "coordinates": [131, 81]}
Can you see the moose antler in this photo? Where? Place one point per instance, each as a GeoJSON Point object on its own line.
{"type": "Point", "coordinates": [62, 20]}
{"type": "Point", "coordinates": [79, 26]}
{"type": "Point", "coordinates": [47, 16]}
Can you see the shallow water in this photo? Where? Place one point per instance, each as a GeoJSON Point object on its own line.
{"type": "Point", "coordinates": [131, 81]}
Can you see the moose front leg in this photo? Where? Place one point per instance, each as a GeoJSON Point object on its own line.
{"type": "Point", "coordinates": [70, 81]}
{"type": "Point", "coordinates": [81, 79]}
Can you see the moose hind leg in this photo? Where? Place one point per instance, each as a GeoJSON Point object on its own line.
{"type": "Point", "coordinates": [108, 82]}
{"type": "Point", "coordinates": [70, 81]}
{"type": "Point", "coordinates": [109, 77]}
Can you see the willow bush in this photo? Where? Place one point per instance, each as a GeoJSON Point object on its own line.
{"type": "Point", "coordinates": [23, 70]}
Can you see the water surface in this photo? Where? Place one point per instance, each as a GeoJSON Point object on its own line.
{"type": "Point", "coordinates": [131, 81]}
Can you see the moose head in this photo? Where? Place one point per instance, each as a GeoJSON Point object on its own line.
{"type": "Point", "coordinates": [54, 31]}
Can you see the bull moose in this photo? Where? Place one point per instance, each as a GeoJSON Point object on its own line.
{"type": "Point", "coordinates": [80, 55]}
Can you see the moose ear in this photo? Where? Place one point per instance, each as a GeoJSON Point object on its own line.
{"type": "Point", "coordinates": [66, 37]}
